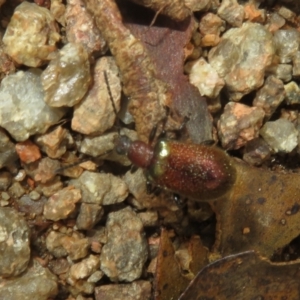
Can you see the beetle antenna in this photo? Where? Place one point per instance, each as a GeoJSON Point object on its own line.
{"type": "Point", "coordinates": [112, 99]}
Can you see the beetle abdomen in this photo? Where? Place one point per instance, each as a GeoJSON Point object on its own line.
{"type": "Point", "coordinates": [197, 171]}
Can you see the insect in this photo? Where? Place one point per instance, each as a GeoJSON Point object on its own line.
{"type": "Point", "coordinates": [197, 171]}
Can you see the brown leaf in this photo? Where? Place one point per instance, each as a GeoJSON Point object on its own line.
{"type": "Point", "coordinates": [245, 276]}
{"type": "Point", "coordinates": [261, 212]}
{"type": "Point", "coordinates": [169, 280]}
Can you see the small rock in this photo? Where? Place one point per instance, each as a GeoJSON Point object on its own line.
{"type": "Point", "coordinates": [149, 218]}
{"type": "Point", "coordinates": [292, 93]}
{"type": "Point", "coordinates": [89, 215]}
{"type": "Point", "coordinates": [102, 189]}
{"type": "Point", "coordinates": [59, 266]}
{"type": "Point", "coordinates": [270, 95]}
{"type": "Point", "coordinates": [60, 245]}
{"type": "Point", "coordinates": [54, 244]}
{"type": "Point", "coordinates": [28, 152]}
{"type": "Point", "coordinates": [296, 64]}
{"type": "Point", "coordinates": [76, 246]}
{"type": "Point", "coordinates": [97, 237]}
{"type": "Point", "coordinates": [95, 113]}
{"type": "Point", "coordinates": [21, 175]}
{"type": "Point", "coordinates": [62, 204]}
{"type": "Point", "coordinates": [8, 154]}
{"type": "Point", "coordinates": [84, 269]}
{"type": "Point", "coordinates": [125, 253]}
{"type": "Point", "coordinates": [33, 46]}
{"type": "Point", "coordinates": [196, 5]}
{"type": "Point", "coordinates": [287, 44]}
{"type": "Point", "coordinates": [4, 196]}
{"type": "Point", "coordinates": [286, 13]}
{"type": "Point", "coordinates": [136, 182]}
{"type": "Point", "coordinates": [51, 187]}
{"type": "Point", "coordinates": [137, 290]}
{"type": "Point", "coordinates": [96, 276]}
{"type": "Point", "coordinates": [53, 143]}
{"type": "Point", "coordinates": [67, 77]}
{"type": "Point", "coordinates": [256, 152]}
{"type": "Point", "coordinates": [275, 22]}
{"type": "Point", "coordinates": [253, 14]}
{"type": "Point", "coordinates": [231, 12]}
{"type": "Point", "coordinates": [36, 283]}
{"type": "Point", "coordinates": [205, 78]}
{"type": "Point", "coordinates": [81, 28]}
{"type": "Point", "coordinates": [242, 57]}
{"type": "Point", "coordinates": [34, 195]}
{"type": "Point", "coordinates": [239, 124]}
{"type": "Point", "coordinates": [23, 111]}
{"type": "Point", "coordinates": [30, 207]}
{"type": "Point", "coordinates": [281, 135]}
{"type": "Point", "coordinates": [16, 190]}
{"type": "Point", "coordinates": [44, 170]}
{"type": "Point", "coordinates": [7, 65]}
{"type": "Point", "coordinates": [281, 71]}
{"type": "Point", "coordinates": [14, 244]}
{"type": "Point", "coordinates": [5, 180]}
{"type": "Point", "coordinates": [211, 24]}
{"type": "Point", "coordinates": [210, 27]}
{"type": "Point", "coordinates": [58, 10]}
{"type": "Point", "coordinates": [104, 145]}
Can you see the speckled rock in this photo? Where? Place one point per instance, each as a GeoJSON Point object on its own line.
{"type": "Point", "coordinates": [292, 93]}
{"type": "Point", "coordinates": [58, 10]}
{"type": "Point", "coordinates": [22, 109]}
{"type": "Point", "coordinates": [14, 243]}
{"type": "Point", "coordinates": [37, 283]}
{"type": "Point", "coordinates": [8, 154]}
{"type": "Point", "coordinates": [103, 146]}
{"type": "Point", "coordinates": [205, 78]}
{"type": "Point", "coordinates": [136, 182]}
{"type": "Point", "coordinates": [210, 27]}
{"type": "Point", "coordinates": [60, 245]}
{"type": "Point", "coordinates": [16, 190]}
{"type": "Point", "coordinates": [231, 12]}
{"type": "Point", "coordinates": [95, 113]}
{"type": "Point", "coordinates": [5, 180]}
{"type": "Point", "coordinates": [54, 244]}
{"type": "Point", "coordinates": [256, 152]}
{"type": "Point", "coordinates": [138, 290]}
{"type": "Point", "coordinates": [28, 152]}
{"type": "Point", "coordinates": [196, 5]}
{"type": "Point", "coordinates": [62, 204]}
{"type": "Point", "coordinates": [125, 253]}
{"type": "Point", "coordinates": [84, 268]}
{"type": "Point", "coordinates": [54, 143]}
{"type": "Point", "coordinates": [103, 189]}
{"type": "Point", "coordinates": [43, 171]}
{"type": "Point", "coordinates": [275, 22]}
{"type": "Point", "coordinates": [239, 124]}
{"type": "Point", "coordinates": [296, 64]}
{"type": "Point", "coordinates": [281, 71]}
{"type": "Point", "coordinates": [281, 135]}
{"type": "Point", "coordinates": [67, 77]}
{"type": "Point", "coordinates": [287, 44]}
{"type": "Point", "coordinates": [89, 215]}
{"type": "Point", "coordinates": [76, 245]}
{"type": "Point", "coordinates": [242, 57]}
{"type": "Point", "coordinates": [270, 96]}
{"type": "Point", "coordinates": [27, 42]}
{"type": "Point", "coordinates": [81, 28]}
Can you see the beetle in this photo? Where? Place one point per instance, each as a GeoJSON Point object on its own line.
{"type": "Point", "coordinates": [197, 171]}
